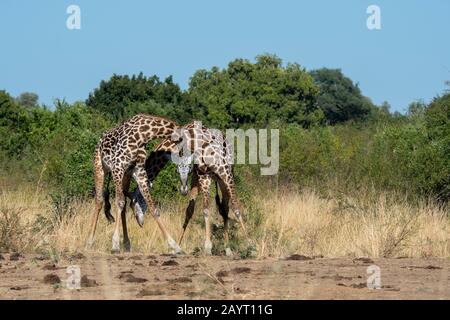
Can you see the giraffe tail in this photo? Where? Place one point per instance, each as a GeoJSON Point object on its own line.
{"type": "Point", "coordinates": [106, 196]}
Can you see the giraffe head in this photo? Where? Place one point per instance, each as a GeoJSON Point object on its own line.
{"type": "Point", "coordinates": [184, 167]}
{"type": "Point", "coordinates": [138, 205]}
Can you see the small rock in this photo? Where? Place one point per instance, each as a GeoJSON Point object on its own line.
{"type": "Point", "coordinates": [77, 256]}
{"type": "Point", "coordinates": [363, 260]}
{"type": "Point", "coordinates": [49, 266]}
{"type": "Point", "coordinates": [86, 282]}
{"type": "Point", "coordinates": [146, 292]}
{"type": "Point", "coordinates": [52, 279]}
{"type": "Point", "coordinates": [360, 285]}
{"type": "Point", "coordinates": [298, 257]}
{"type": "Point", "coordinates": [18, 288]}
{"type": "Point", "coordinates": [239, 290]}
{"type": "Point", "coordinates": [180, 280]}
{"type": "Point", "coordinates": [41, 258]}
{"type": "Point", "coordinates": [126, 271]}
{"type": "Point", "coordinates": [241, 270]}
{"type": "Point", "coordinates": [430, 267]}
{"type": "Point", "coordinates": [170, 263]}
{"type": "Point", "coordinates": [222, 273]}
{"type": "Point", "coordinates": [390, 288]}
{"type": "Point", "coordinates": [15, 256]}
{"type": "Point", "coordinates": [130, 278]}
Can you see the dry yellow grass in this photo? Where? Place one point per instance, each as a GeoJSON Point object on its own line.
{"type": "Point", "coordinates": [291, 222]}
{"type": "Point", "coordinates": [312, 225]}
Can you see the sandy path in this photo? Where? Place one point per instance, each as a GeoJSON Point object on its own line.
{"type": "Point", "coordinates": [137, 276]}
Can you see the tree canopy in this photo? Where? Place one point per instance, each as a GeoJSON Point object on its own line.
{"type": "Point", "coordinates": [339, 98]}
{"type": "Point", "coordinates": [376, 148]}
{"type": "Point", "coordinates": [115, 96]}
{"type": "Point", "coordinates": [254, 93]}
{"type": "Point", "coordinates": [243, 93]}
{"type": "Point", "coordinates": [28, 99]}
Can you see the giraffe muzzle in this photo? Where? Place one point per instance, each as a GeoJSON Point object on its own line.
{"type": "Point", "coordinates": [184, 189]}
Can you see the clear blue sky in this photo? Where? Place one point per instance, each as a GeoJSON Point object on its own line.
{"type": "Point", "coordinates": [408, 59]}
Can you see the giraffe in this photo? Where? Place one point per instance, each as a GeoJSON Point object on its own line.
{"type": "Point", "coordinates": [121, 153]}
{"type": "Point", "coordinates": [213, 156]}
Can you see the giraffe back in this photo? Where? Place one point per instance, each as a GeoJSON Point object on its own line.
{"type": "Point", "coordinates": [123, 144]}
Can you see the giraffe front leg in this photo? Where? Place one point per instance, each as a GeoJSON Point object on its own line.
{"type": "Point", "coordinates": [191, 206]}
{"type": "Point", "coordinates": [188, 215]}
{"type": "Point", "coordinates": [204, 186]}
{"type": "Point", "coordinates": [235, 204]}
{"type": "Point", "coordinates": [126, 239]}
{"type": "Point", "coordinates": [227, 185]}
{"type": "Point", "coordinates": [120, 204]}
{"type": "Point", "coordinates": [222, 206]}
{"type": "Point", "coordinates": [99, 177]}
{"type": "Point", "coordinates": [141, 179]}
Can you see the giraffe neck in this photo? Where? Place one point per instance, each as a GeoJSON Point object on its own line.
{"type": "Point", "coordinates": [148, 127]}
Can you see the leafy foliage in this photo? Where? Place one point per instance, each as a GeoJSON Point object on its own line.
{"type": "Point", "coordinates": [119, 95]}
{"type": "Point", "coordinates": [395, 152]}
{"type": "Point", "coordinates": [254, 93]}
{"type": "Point", "coordinates": [340, 99]}
{"type": "Point", "coordinates": [28, 99]}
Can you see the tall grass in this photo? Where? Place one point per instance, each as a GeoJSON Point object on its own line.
{"type": "Point", "coordinates": [280, 223]}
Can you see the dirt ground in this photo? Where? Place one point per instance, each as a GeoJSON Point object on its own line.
{"type": "Point", "coordinates": [156, 276]}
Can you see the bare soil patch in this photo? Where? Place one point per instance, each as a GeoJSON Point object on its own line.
{"type": "Point", "coordinates": [158, 276]}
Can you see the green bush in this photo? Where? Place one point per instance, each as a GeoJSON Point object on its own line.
{"type": "Point", "coordinates": [54, 148]}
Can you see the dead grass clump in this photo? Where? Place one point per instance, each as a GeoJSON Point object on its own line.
{"type": "Point", "coordinates": [288, 222]}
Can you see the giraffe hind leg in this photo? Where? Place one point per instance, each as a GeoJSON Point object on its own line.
{"type": "Point", "coordinates": [107, 203]}
{"type": "Point", "coordinates": [99, 178]}
{"type": "Point", "coordinates": [223, 208]}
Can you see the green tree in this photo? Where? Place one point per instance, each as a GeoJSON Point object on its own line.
{"type": "Point", "coordinates": [254, 93]}
{"type": "Point", "coordinates": [28, 99]}
{"type": "Point", "coordinates": [116, 95]}
{"type": "Point", "coordinates": [13, 126]}
{"type": "Point", "coordinates": [340, 99]}
{"type": "Point", "coordinates": [437, 122]}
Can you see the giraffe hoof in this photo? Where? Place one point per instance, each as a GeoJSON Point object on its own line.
{"type": "Point", "coordinates": [115, 251]}
{"type": "Point", "coordinates": [115, 244]}
{"type": "Point", "coordinates": [179, 252]}
{"type": "Point", "coordinates": [127, 247]}
{"type": "Point", "coordinates": [228, 252]}
{"type": "Point", "coordinates": [208, 248]}
{"type": "Point", "coordinates": [176, 248]}
{"type": "Point", "coordinates": [88, 245]}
